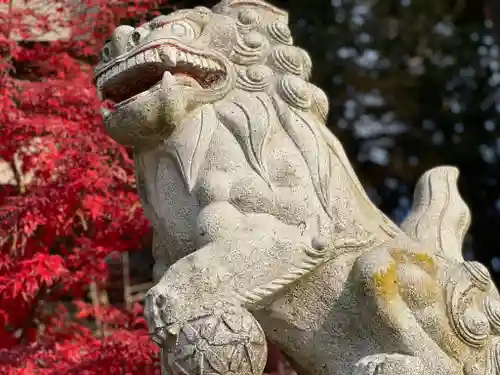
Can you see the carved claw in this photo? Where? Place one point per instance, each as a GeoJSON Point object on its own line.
{"type": "Point", "coordinates": [157, 306]}
{"type": "Point", "coordinates": [369, 365]}
{"type": "Point", "coordinates": [158, 336]}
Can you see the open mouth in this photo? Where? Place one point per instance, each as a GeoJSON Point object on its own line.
{"type": "Point", "coordinates": [144, 72]}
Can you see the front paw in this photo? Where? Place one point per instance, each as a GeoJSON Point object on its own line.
{"type": "Point", "coordinates": [389, 364]}
{"type": "Point", "coordinates": [219, 338]}
{"type": "Point", "coordinates": [166, 310]}
{"type": "Point", "coordinates": [162, 314]}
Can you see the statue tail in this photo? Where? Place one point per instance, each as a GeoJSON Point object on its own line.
{"type": "Point", "coordinates": [439, 218]}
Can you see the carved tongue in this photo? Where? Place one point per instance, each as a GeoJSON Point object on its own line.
{"type": "Point", "coordinates": [169, 80]}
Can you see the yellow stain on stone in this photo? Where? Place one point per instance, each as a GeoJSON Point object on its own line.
{"type": "Point", "coordinates": [420, 259]}
{"type": "Point", "coordinates": [425, 261]}
{"type": "Point", "coordinates": [386, 284]}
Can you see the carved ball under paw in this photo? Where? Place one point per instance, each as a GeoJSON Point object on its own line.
{"type": "Point", "coordinates": [226, 340]}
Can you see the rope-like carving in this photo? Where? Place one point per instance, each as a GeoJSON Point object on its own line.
{"type": "Point", "coordinates": [311, 258]}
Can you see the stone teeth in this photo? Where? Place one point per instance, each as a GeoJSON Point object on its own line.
{"type": "Point", "coordinates": [170, 56]}
{"type": "Point", "coordinates": [152, 55]}
{"type": "Point", "coordinates": [218, 66]}
{"type": "Point", "coordinates": [213, 65]}
{"type": "Point", "coordinates": [197, 61]}
{"type": "Point", "coordinates": [140, 58]}
{"type": "Point", "coordinates": [190, 59]}
{"type": "Point", "coordinates": [181, 57]}
{"type": "Point", "coordinates": [149, 56]}
{"type": "Point", "coordinates": [205, 63]}
{"type": "Point", "coordinates": [130, 62]}
{"type": "Point", "coordinates": [200, 62]}
{"type": "Point", "coordinates": [157, 55]}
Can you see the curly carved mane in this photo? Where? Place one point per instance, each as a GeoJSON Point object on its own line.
{"type": "Point", "coordinates": [273, 89]}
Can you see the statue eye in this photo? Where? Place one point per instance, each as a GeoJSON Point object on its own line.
{"type": "Point", "coordinates": [106, 53]}
{"type": "Point", "coordinates": [137, 37]}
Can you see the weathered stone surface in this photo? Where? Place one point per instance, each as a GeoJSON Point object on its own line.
{"type": "Point", "coordinates": [257, 210]}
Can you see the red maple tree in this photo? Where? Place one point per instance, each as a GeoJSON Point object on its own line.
{"type": "Point", "coordinates": [71, 201]}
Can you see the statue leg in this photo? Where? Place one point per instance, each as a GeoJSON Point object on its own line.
{"type": "Point", "coordinates": [243, 259]}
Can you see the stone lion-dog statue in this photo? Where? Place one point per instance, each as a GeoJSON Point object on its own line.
{"type": "Point", "coordinates": [261, 227]}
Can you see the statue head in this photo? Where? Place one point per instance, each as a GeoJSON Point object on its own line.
{"type": "Point", "coordinates": [159, 72]}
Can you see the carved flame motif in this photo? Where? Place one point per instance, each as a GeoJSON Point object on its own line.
{"type": "Point", "coordinates": [492, 308]}
{"type": "Point", "coordinates": [468, 321]}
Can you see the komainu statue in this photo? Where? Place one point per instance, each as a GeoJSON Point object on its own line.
{"type": "Point", "coordinates": [261, 227]}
